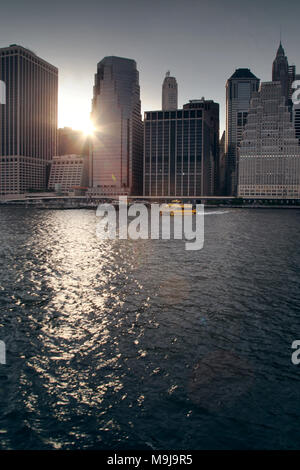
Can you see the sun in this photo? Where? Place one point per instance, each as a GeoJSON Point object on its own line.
{"type": "Point", "coordinates": [77, 121]}
{"type": "Point", "coordinates": [87, 128]}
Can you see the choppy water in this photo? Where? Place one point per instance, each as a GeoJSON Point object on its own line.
{"type": "Point", "coordinates": [141, 344]}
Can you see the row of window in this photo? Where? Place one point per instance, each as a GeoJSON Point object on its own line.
{"type": "Point", "coordinates": [157, 115]}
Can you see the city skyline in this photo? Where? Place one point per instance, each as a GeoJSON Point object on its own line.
{"type": "Point", "coordinates": [201, 45]}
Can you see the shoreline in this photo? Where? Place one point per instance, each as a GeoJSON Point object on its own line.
{"type": "Point", "coordinates": [29, 205]}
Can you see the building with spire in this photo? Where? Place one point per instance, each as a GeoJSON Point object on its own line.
{"type": "Point", "coordinates": [239, 89]}
{"type": "Point", "coordinates": [269, 152]}
{"type": "Point", "coordinates": [169, 93]}
{"type": "Point", "coordinates": [280, 71]}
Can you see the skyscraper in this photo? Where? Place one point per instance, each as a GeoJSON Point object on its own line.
{"type": "Point", "coordinates": [239, 89]}
{"type": "Point", "coordinates": [169, 93]}
{"type": "Point", "coordinates": [280, 71]}
{"type": "Point", "coordinates": [269, 152]}
{"type": "Point", "coordinates": [181, 150]}
{"type": "Point", "coordinates": [117, 160]}
{"type": "Point", "coordinates": [28, 120]}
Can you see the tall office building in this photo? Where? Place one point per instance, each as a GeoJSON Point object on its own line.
{"type": "Point", "coordinates": [169, 93]}
{"type": "Point", "coordinates": [181, 150]}
{"type": "Point", "coordinates": [28, 120]}
{"type": "Point", "coordinates": [239, 89]}
{"type": "Point", "coordinates": [269, 152]}
{"type": "Point", "coordinates": [280, 71]}
{"type": "Point", "coordinates": [117, 160]}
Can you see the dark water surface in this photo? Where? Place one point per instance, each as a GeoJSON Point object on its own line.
{"type": "Point", "coordinates": [141, 344]}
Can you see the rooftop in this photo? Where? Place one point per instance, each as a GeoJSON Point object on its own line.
{"type": "Point", "coordinates": [243, 73]}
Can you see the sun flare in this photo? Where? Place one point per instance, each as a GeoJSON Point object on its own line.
{"type": "Point", "coordinates": [87, 128]}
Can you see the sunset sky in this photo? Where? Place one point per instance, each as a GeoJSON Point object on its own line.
{"type": "Point", "coordinates": [200, 42]}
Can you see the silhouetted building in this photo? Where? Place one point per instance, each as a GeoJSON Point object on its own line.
{"type": "Point", "coordinates": [117, 162]}
{"type": "Point", "coordinates": [269, 152]}
{"type": "Point", "coordinates": [181, 150]}
{"type": "Point", "coordinates": [28, 120]}
{"type": "Point", "coordinates": [280, 71]}
{"type": "Point", "coordinates": [239, 89]}
{"type": "Point", "coordinates": [169, 93]}
{"type": "Point", "coordinates": [72, 141]}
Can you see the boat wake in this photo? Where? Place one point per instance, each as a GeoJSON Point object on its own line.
{"type": "Point", "coordinates": [215, 212]}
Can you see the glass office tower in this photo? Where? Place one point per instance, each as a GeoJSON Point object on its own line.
{"type": "Point", "coordinates": [117, 159]}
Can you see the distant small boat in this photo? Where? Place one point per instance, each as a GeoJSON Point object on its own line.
{"type": "Point", "coordinates": [177, 208]}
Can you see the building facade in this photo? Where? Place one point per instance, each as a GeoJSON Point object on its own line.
{"type": "Point", "coordinates": [269, 152]}
{"type": "Point", "coordinates": [222, 167]}
{"type": "Point", "coordinates": [239, 89]}
{"type": "Point", "coordinates": [296, 120]}
{"type": "Point", "coordinates": [117, 154]}
{"type": "Point", "coordinates": [296, 107]}
{"type": "Point", "coordinates": [292, 78]}
{"type": "Point", "coordinates": [169, 93]}
{"type": "Point", "coordinates": [69, 173]}
{"type": "Point", "coordinates": [28, 120]}
{"type": "Point", "coordinates": [181, 150]}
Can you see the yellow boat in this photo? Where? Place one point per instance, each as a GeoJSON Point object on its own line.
{"type": "Point", "coordinates": [177, 208]}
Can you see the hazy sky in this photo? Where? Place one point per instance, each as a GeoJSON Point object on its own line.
{"type": "Point", "coordinates": [201, 42]}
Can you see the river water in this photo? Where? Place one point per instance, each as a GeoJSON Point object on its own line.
{"type": "Point", "coordinates": [141, 344]}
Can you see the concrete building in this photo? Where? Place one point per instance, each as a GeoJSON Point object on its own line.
{"type": "Point", "coordinates": [28, 120]}
{"type": "Point", "coordinates": [169, 93]}
{"type": "Point", "coordinates": [269, 151]}
{"type": "Point", "coordinates": [239, 89]}
{"type": "Point", "coordinates": [181, 150]}
{"type": "Point", "coordinates": [69, 173]}
{"type": "Point", "coordinates": [117, 160]}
